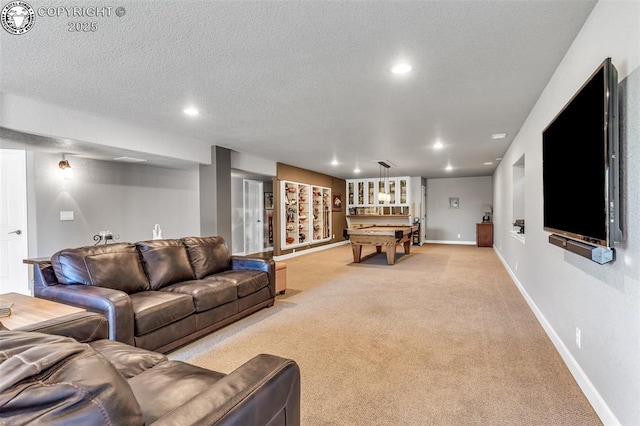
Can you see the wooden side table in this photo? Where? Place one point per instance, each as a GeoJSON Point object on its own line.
{"type": "Point", "coordinates": [281, 277]}
{"type": "Point", "coordinates": [27, 310]}
{"type": "Point", "coordinates": [484, 234]}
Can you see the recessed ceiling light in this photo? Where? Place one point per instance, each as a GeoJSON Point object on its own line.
{"type": "Point", "coordinates": [438, 145]}
{"type": "Point", "coordinates": [498, 136]}
{"type": "Point", "coordinates": [499, 159]}
{"type": "Point", "coordinates": [449, 168]}
{"type": "Point", "coordinates": [488, 163]}
{"type": "Point", "coordinates": [401, 68]}
{"type": "Point", "coordinates": [334, 163]}
{"type": "Point", "coordinates": [356, 170]}
{"type": "Point", "coordinates": [191, 111]}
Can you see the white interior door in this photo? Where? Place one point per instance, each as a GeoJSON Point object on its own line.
{"type": "Point", "coordinates": [253, 225]}
{"type": "Point", "coordinates": [13, 222]}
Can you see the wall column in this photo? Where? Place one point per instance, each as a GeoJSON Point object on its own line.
{"type": "Point", "coordinates": [215, 195]}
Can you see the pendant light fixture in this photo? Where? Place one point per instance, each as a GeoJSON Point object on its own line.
{"type": "Point", "coordinates": [381, 195]}
{"type": "Point", "coordinates": [384, 174]}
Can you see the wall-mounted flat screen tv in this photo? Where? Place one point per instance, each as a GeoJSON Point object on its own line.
{"type": "Point", "coordinates": [580, 163]}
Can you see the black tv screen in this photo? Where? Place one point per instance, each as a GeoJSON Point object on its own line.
{"type": "Point", "coordinates": [580, 163]}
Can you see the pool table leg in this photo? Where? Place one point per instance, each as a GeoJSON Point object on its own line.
{"type": "Point", "coordinates": [391, 254]}
{"type": "Point", "coordinates": [357, 252]}
{"type": "Point", "coordinates": [407, 246]}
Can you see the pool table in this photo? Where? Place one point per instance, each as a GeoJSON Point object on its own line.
{"type": "Point", "coordinates": [379, 236]}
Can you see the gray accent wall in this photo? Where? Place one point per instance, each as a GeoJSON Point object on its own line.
{"type": "Point", "coordinates": [444, 223]}
{"type": "Point", "coordinates": [567, 291]}
{"type": "Point", "coordinates": [215, 195]}
{"type": "Point", "coordinates": [126, 199]}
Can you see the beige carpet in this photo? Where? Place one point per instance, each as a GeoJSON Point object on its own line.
{"type": "Point", "coordinates": [441, 338]}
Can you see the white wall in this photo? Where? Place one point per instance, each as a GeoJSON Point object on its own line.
{"type": "Point", "coordinates": [237, 215]}
{"type": "Point", "coordinates": [127, 199]}
{"type": "Point", "coordinates": [249, 163]}
{"type": "Point", "coordinates": [443, 223]}
{"type": "Point", "coordinates": [249, 167]}
{"type": "Point", "coordinates": [18, 112]}
{"type": "Point", "coordinates": [565, 290]}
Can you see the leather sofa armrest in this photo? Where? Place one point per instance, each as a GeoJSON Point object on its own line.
{"type": "Point", "coordinates": [258, 264]}
{"type": "Point", "coordinates": [266, 387]}
{"type": "Point", "coordinates": [83, 326]}
{"type": "Point", "coordinates": [114, 305]}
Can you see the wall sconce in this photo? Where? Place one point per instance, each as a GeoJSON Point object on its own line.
{"type": "Point", "coordinates": [67, 172]}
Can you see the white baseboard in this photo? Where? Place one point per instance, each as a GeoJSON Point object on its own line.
{"type": "Point", "coordinates": [464, 243]}
{"type": "Point", "coordinates": [310, 250]}
{"type": "Point", "coordinates": [595, 399]}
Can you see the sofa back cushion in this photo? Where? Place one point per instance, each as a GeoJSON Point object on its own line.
{"type": "Point", "coordinates": [116, 266]}
{"type": "Point", "coordinates": [165, 262]}
{"type": "Point", "coordinates": [55, 380]}
{"type": "Point", "coordinates": [208, 255]}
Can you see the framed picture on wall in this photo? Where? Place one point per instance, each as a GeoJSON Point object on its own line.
{"type": "Point", "coordinates": [336, 202]}
{"type": "Point", "coordinates": [268, 200]}
{"type": "Point", "coordinates": [454, 203]}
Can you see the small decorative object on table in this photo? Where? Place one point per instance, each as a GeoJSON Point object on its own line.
{"type": "Point", "coordinates": [5, 309]}
{"type": "Point", "coordinates": [487, 210]}
{"type": "Point", "coordinates": [157, 232]}
{"type": "Point", "coordinates": [520, 223]}
{"type": "Point", "coordinates": [105, 236]}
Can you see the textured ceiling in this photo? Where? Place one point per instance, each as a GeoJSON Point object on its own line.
{"type": "Point", "coordinates": [306, 82]}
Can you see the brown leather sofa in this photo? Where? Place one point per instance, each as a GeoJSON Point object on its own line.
{"type": "Point", "coordinates": [159, 294]}
{"type": "Point", "coordinates": [50, 379]}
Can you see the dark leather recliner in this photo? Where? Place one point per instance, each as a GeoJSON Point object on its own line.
{"type": "Point", "coordinates": [51, 379]}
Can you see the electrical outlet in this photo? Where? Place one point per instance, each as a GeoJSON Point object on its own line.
{"type": "Point", "coordinates": [333, 236]}
{"type": "Point", "coordinates": [66, 215]}
{"type": "Point", "coordinates": [516, 266]}
{"type": "Point", "coordinates": [578, 338]}
{"type": "Point", "coordinates": [458, 235]}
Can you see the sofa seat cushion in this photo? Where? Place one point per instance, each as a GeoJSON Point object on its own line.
{"type": "Point", "coordinates": [116, 266]}
{"type": "Point", "coordinates": [208, 255]}
{"type": "Point", "coordinates": [206, 294]}
{"type": "Point", "coordinates": [246, 281]}
{"type": "Point", "coordinates": [128, 360]}
{"type": "Point", "coordinates": [166, 262]}
{"type": "Point", "coordinates": [168, 386]}
{"type": "Point", "coordinates": [155, 309]}
{"type": "Point", "coordinates": [54, 380]}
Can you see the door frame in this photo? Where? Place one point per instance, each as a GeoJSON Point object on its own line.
{"type": "Point", "coordinates": [13, 164]}
{"type": "Point", "coordinates": [256, 226]}
{"type": "Point", "coordinates": [423, 237]}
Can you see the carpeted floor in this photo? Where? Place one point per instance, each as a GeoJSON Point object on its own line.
{"type": "Point", "coordinates": [443, 337]}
